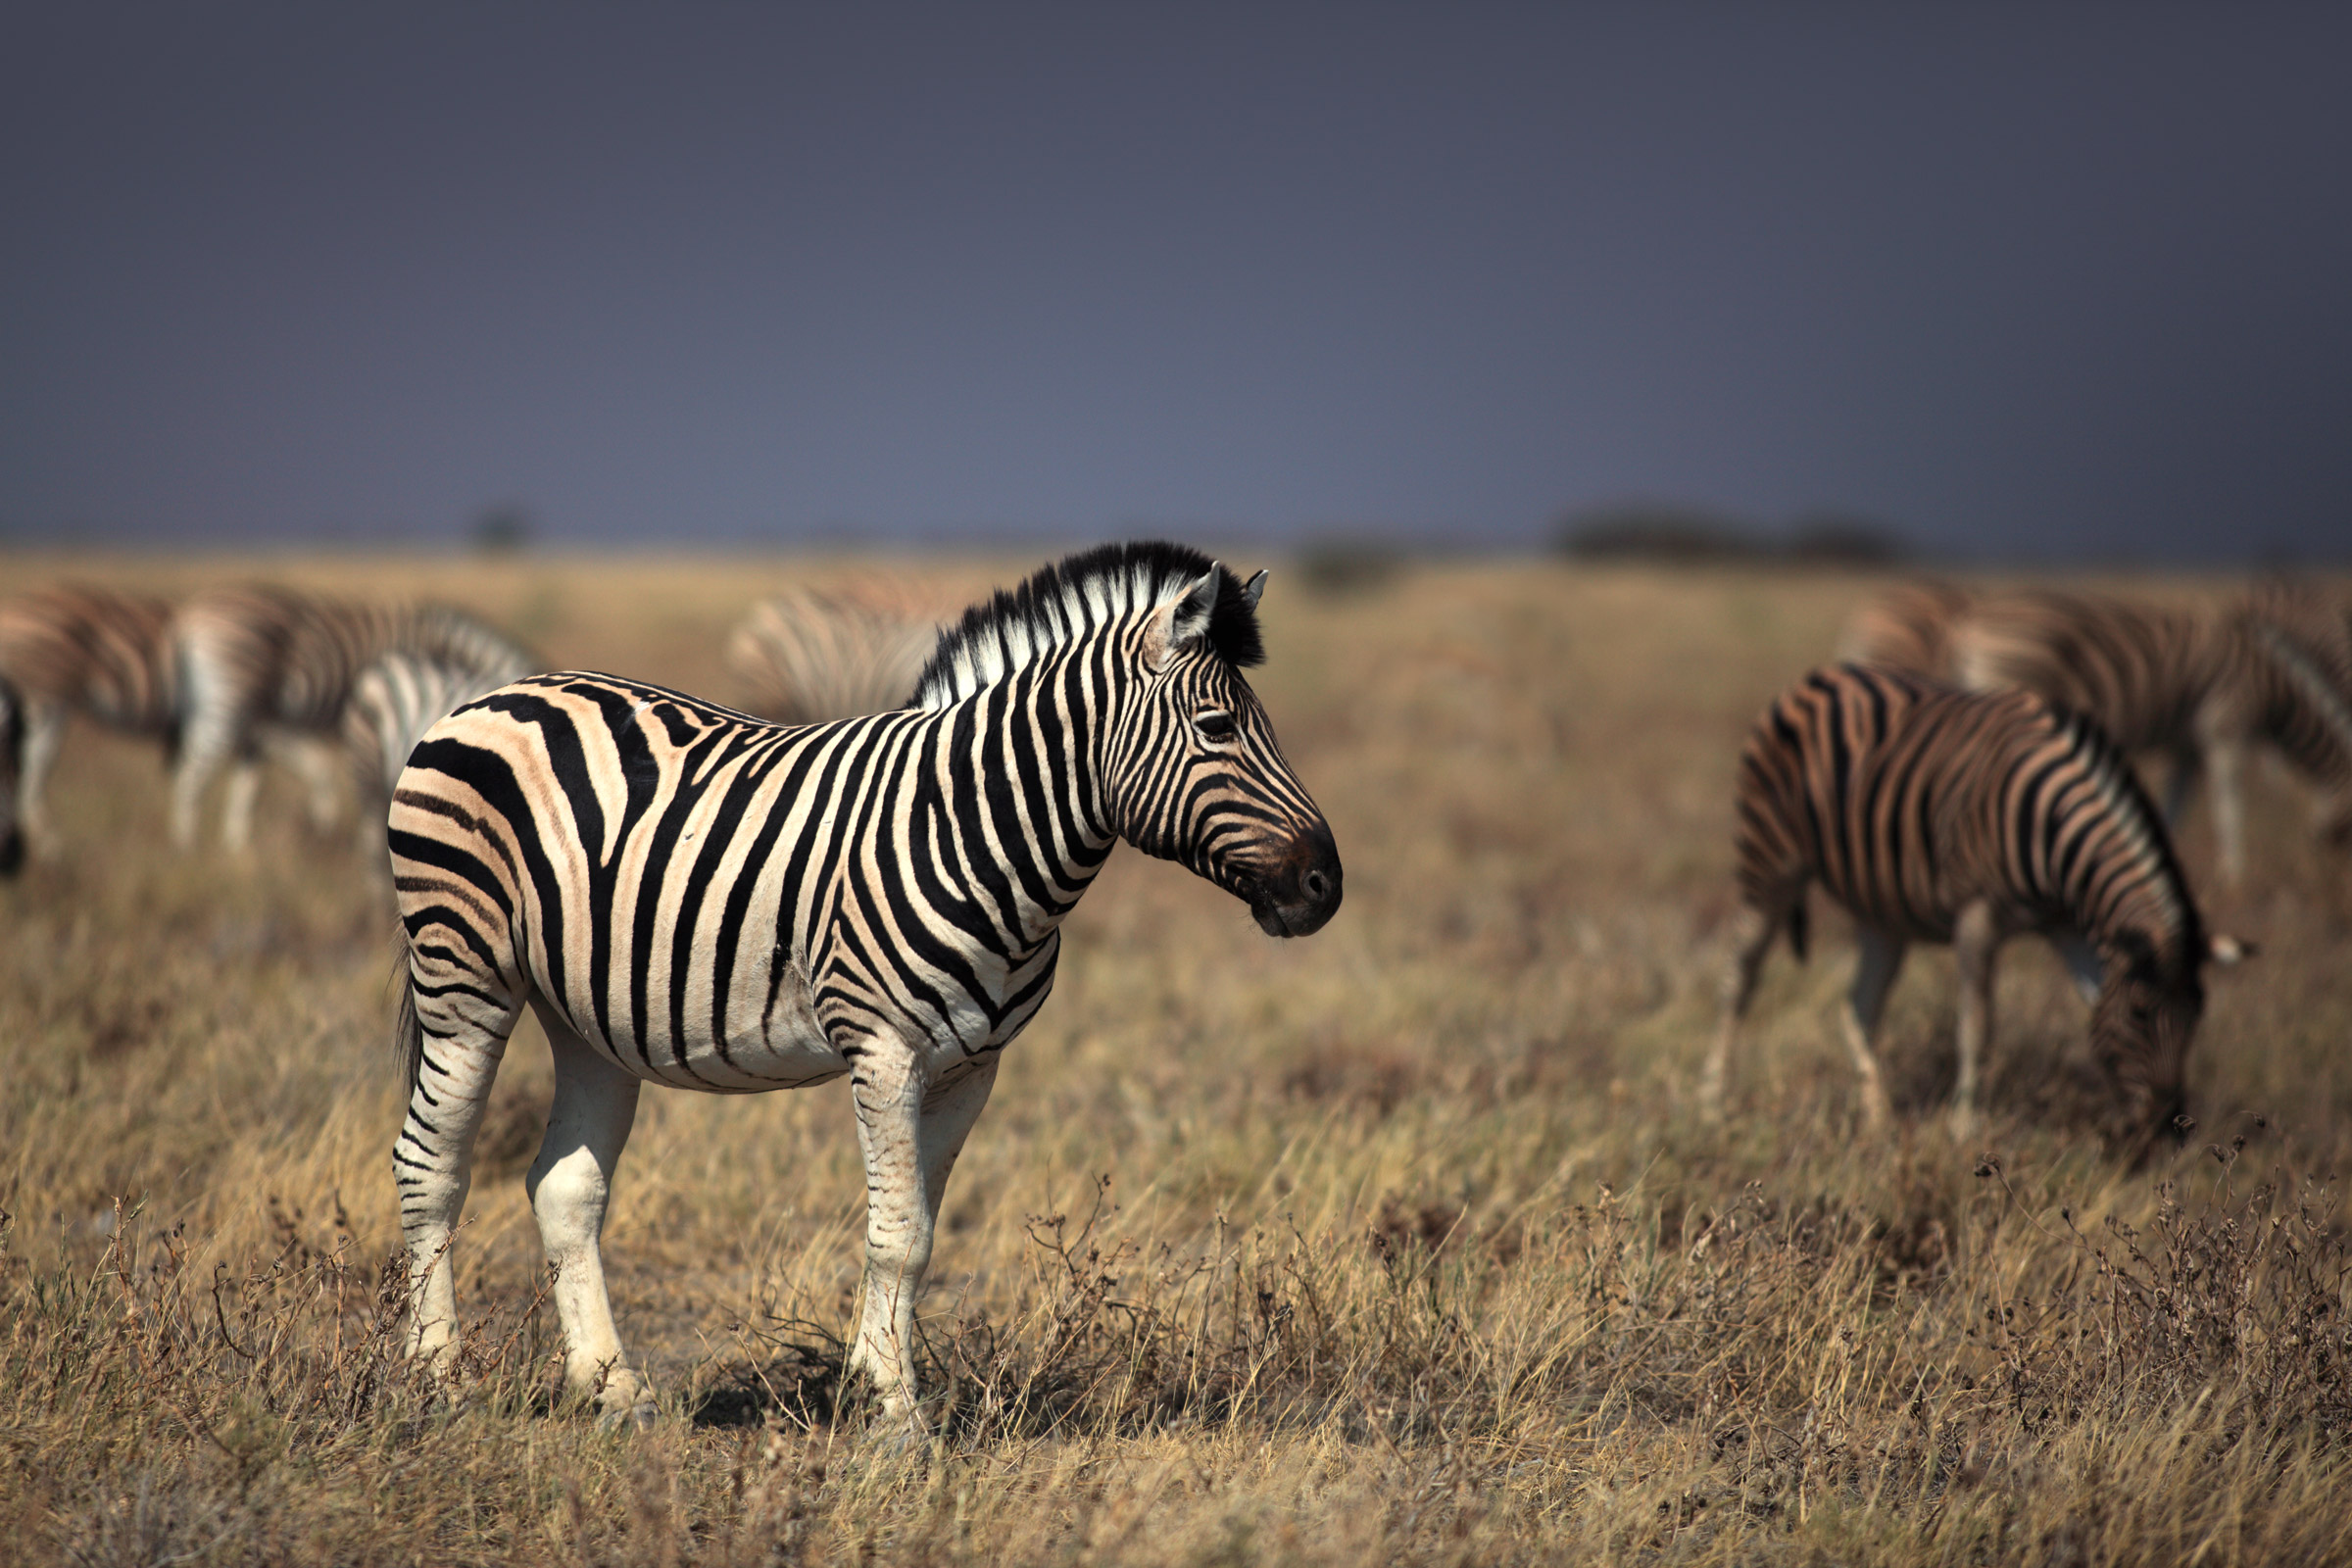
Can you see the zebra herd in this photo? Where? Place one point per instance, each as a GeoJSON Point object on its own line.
{"type": "Point", "coordinates": [1962, 779]}
{"type": "Point", "coordinates": [225, 678]}
{"type": "Point", "coordinates": [870, 881]}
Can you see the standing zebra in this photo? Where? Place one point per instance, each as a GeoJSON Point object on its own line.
{"type": "Point", "coordinates": [1941, 816]}
{"type": "Point", "coordinates": [690, 897]}
{"type": "Point", "coordinates": [262, 666]}
{"type": "Point", "coordinates": [69, 647]}
{"type": "Point", "coordinates": [2200, 688]}
{"type": "Point", "coordinates": [811, 655]}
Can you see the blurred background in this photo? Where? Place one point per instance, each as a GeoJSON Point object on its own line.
{"type": "Point", "coordinates": [1986, 284]}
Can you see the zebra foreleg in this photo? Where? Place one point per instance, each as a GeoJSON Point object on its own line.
{"type": "Point", "coordinates": [236, 811]}
{"type": "Point", "coordinates": [320, 765]}
{"type": "Point", "coordinates": [1881, 960]}
{"type": "Point", "coordinates": [569, 1183]}
{"type": "Point", "coordinates": [1752, 931]}
{"type": "Point", "coordinates": [44, 732]}
{"type": "Point", "coordinates": [2225, 761]}
{"type": "Point", "coordinates": [910, 1132]}
{"type": "Point", "coordinates": [1975, 941]}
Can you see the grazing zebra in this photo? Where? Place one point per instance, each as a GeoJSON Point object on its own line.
{"type": "Point", "coordinates": [393, 701]}
{"type": "Point", "coordinates": [811, 655]}
{"type": "Point", "coordinates": [2200, 688]}
{"type": "Point", "coordinates": [65, 648]}
{"type": "Point", "coordinates": [1934, 815]}
{"type": "Point", "coordinates": [268, 667]}
{"type": "Point", "coordinates": [687, 896]}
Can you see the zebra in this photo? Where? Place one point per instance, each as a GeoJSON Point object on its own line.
{"type": "Point", "coordinates": [74, 647]}
{"type": "Point", "coordinates": [1935, 815]}
{"type": "Point", "coordinates": [393, 701]}
{"type": "Point", "coordinates": [2200, 688]}
{"type": "Point", "coordinates": [268, 669]}
{"type": "Point", "coordinates": [687, 896]}
{"type": "Point", "coordinates": [808, 654]}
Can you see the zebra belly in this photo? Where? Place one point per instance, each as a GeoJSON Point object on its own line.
{"type": "Point", "coordinates": [764, 1041]}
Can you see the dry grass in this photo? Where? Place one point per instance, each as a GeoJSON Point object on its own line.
{"type": "Point", "coordinates": [1403, 1243]}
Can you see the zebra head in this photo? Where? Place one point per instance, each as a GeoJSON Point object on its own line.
{"type": "Point", "coordinates": [1194, 775]}
{"type": "Point", "coordinates": [2140, 1028]}
{"type": "Point", "coordinates": [11, 753]}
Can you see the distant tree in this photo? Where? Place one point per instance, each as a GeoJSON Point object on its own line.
{"type": "Point", "coordinates": [1656, 531]}
{"type": "Point", "coordinates": [503, 529]}
{"type": "Point", "coordinates": [1345, 564]}
{"type": "Point", "coordinates": [1843, 539]}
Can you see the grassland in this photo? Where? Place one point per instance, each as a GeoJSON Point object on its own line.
{"type": "Point", "coordinates": [1404, 1242]}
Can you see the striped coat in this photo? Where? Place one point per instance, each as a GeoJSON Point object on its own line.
{"type": "Point", "coordinates": [269, 667]}
{"type": "Point", "coordinates": [76, 648]}
{"type": "Point", "coordinates": [393, 701]}
{"type": "Point", "coordinates": [809, 654]}
{"type": "Point", "coordinates": [2200, 687]}
{"type": "Point", "coordinates": [689, 897]}
{"type": "Point", "coordinates": [1934, 815]}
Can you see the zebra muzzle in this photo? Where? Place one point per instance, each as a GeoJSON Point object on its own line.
{"type": "Point", "coordinates": [1300, 893]}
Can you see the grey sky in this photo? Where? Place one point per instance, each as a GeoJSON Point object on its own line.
{"type": "Point", "coordinates": [2035, 279]}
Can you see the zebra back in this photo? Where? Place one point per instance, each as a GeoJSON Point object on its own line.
{"type": "Point", "coordinates": [288, 657]}
{"type": "Point", "coordinates": [1908, 800]}
{"type": "Point", "coordinates": [811, 655]}
{"type": "Point", "coordinates": [103, 652]}
{"type": "Point", "coordinates": [1907, 628]}
{"type": "Point", "coordinates": [2293, 654]}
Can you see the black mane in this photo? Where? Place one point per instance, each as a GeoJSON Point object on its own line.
{"type": "Point", "coordinates": [1068, 598]}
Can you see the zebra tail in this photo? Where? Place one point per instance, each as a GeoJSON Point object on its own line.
{"type": "Point", "coordinates": [408, 1032]}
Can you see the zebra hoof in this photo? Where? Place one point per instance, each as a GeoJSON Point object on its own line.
{"type": "Point", "coordinates": [628, 1419]}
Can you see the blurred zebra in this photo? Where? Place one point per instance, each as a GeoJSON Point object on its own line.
{"type": "Point", "coordinates": [690, 897]}
{"type": "Point", "coordinates": [74, 648]}
{"type": "Point", "coordinates": [1934, 815]}
{"type": "Point", "coordinates": [809, 654]}
{"type": "Point", "coordinates": [264, 668]}
{"type": "Point", "coordinates": [2200, 688]}
{"type": "Point", "coordinates": [393, 701]}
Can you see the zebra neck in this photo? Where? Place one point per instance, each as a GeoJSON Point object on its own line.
{"type": "Point", "coordinates": [1020, 822]}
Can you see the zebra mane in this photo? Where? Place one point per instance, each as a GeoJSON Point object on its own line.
{"type": "Point", "coordinates": [1063, 602]}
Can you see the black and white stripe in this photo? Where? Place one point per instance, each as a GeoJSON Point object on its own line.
{"type": "Point", "coordinates": [2200, 687]}
{"type": "Point", "coordinates": [688, 896]}
{"type": "Point", "coordinates": [807, 656]}
{"type": "Point", "coordinates": [262, 666]}
{"type": "Point", "coordinates": [76, 648]}
{"type": "Point", "coordinates": [393, 701]}
{"type": "Point", "coordinates": [1934, 815]}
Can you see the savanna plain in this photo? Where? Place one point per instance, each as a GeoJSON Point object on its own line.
{"type": "Point", "coordinates": [1403, 1243]}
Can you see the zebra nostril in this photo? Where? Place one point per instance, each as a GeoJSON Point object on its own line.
{"type": "Point", "coordinates": [1315, 884]}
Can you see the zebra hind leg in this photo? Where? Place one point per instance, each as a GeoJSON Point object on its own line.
{"type": "Point", "coordinates": [569, 1185]}
{"type": "Point", "coordinates": [453, 1039]}
{"type": "Point", "coordinates": [1881, 960]}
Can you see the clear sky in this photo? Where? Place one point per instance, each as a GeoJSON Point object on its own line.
{"type": "Point", "coordinates": [2035, 281]}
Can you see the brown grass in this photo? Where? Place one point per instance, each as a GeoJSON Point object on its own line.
{"type": "Point", "coordinates": [1402, 1243]}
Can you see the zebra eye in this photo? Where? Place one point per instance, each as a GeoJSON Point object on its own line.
{"type": "Point", "coordinates": [1214, 725]}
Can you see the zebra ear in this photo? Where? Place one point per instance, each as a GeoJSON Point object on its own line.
{"type": "Point", "coordinates": [1255, 586]}
{"type": "Point", "coordinates": [1182, 620]}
